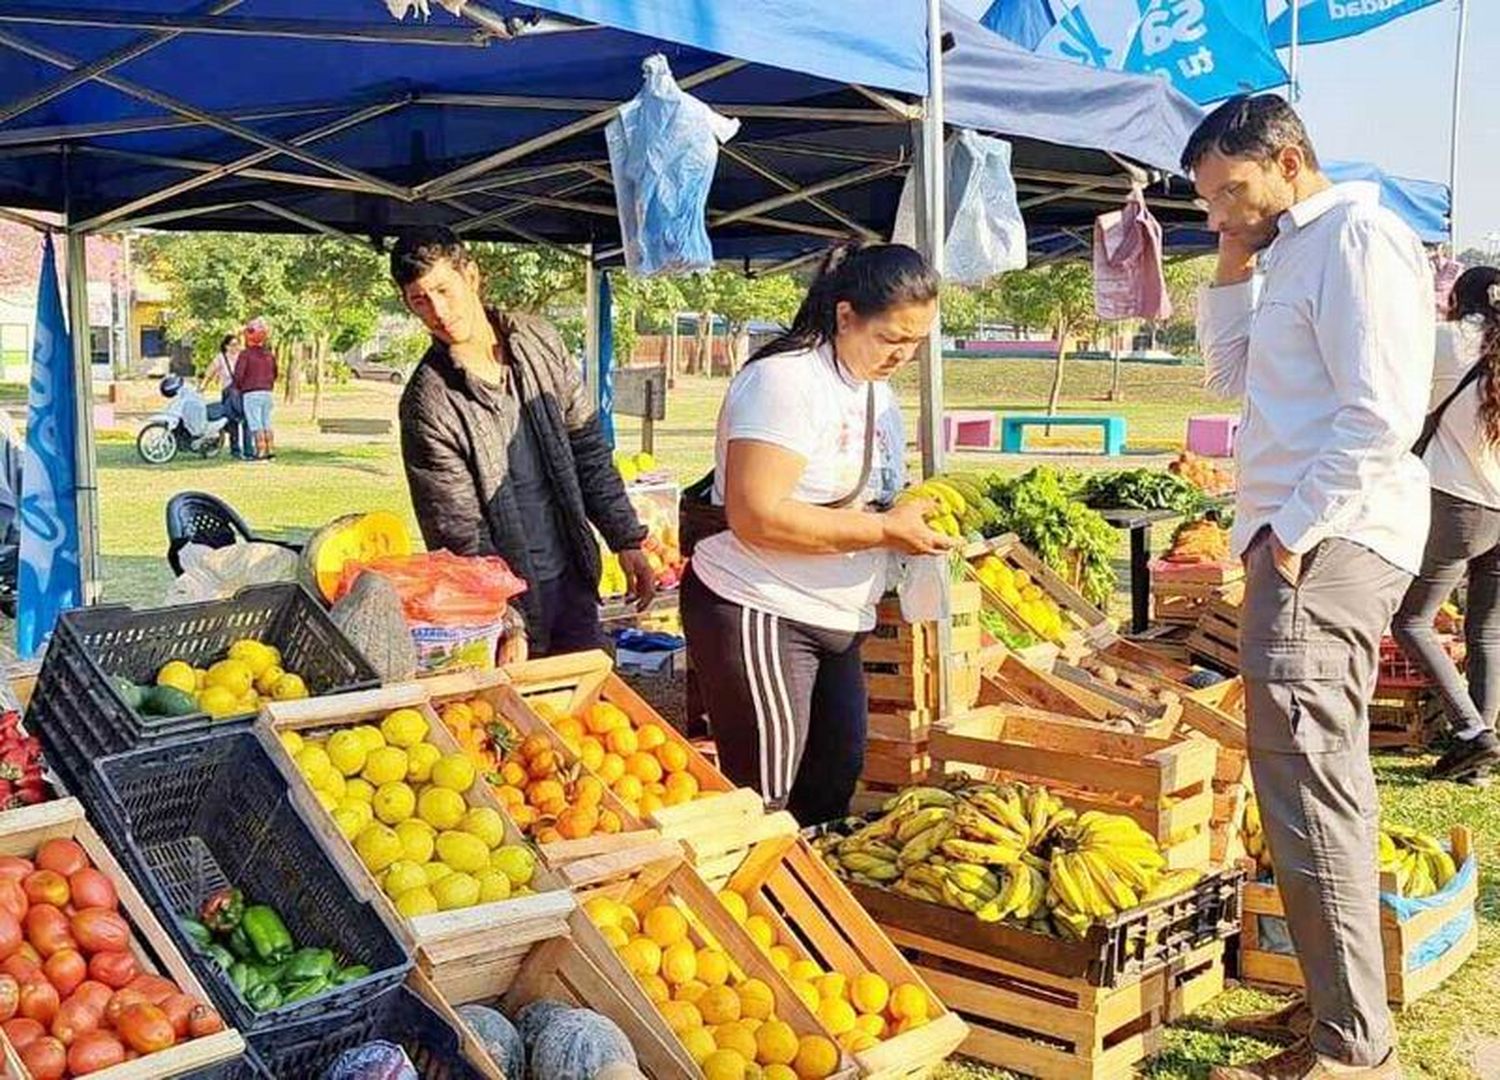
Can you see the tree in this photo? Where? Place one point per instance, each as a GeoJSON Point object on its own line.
{"type": "Point", "coordinates": [642, 303]}
{"type": "Point", "coordinates": [529, 277]}
{"type": "Point", "coordinates": [1058, 297]}
{"type": "Point", "coordinates": [744, 299]}
{"type": "Point", "coordinates": [960, 309]}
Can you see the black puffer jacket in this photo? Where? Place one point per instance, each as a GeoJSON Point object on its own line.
{"type": "Point", "coordinates": [456, 460]}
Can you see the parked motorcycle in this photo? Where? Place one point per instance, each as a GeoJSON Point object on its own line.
{"type": "Point", "coordinates": [186, 425]}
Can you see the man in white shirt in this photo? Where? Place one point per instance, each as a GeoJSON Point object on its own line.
{"type": "Point", "coordinates": [1321, 318]}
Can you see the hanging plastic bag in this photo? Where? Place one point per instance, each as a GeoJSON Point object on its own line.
{"type": "Point", "coordinates": [663, 148]}
{"type": "Point", "coordinates": [985, 232]}
{"type": "Point", "coordinates": [923, 590]}
{"type": "Point", "coordinates": [1128, 278]}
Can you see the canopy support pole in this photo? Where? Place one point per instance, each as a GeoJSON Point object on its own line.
{"type": "Point", "coordinates": [86, 464]}
{"type": "Point", "coordinates": [591, 328]}
{"type": "Point", "coordinates": [1458, 97]}
{"type": "Point", "coordinates": [821, 205]}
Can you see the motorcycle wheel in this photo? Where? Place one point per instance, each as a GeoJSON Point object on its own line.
{"type": "Point", "coordinates": [156, 444]}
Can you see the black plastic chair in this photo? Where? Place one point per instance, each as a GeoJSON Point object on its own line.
{"type": "Point", "coordinates": [195, 517]}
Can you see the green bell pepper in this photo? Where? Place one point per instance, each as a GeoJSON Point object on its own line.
{"type": "Point", "coordinates": [201, 936]}
{"type": "Point", "coordinates": [245, 977]}
{"type": "Point", "coordinates": [301, 991]}
{"type": "Point", "coordinates": [221, 956]}
{"type": "Point", "coordinates": [350, 974]}
{"type": "Point", "coordinates": [309, 964]}
{"type": "Point", "coordinates": [273, 973]}
{"type": "Point", "coordinates": [239, 943]}
{"type": "Point", "coordinates": [265, 997]}
{"type": "Point", "coordinates": [268, 935]}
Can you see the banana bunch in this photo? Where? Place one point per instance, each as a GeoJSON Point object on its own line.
{"type": "Point", "coordinates": [1253, 832]}
{"type": "Point", "coordinates": [951, 506]}
{"type": "Point", "coordinates": [1103, 864]}
{"type": "Point", "coordinates": [1421, 864]}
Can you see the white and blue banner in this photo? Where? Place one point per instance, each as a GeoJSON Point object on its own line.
{"type": "Point", "coordinates": [51, 580]}
{"type": "Point", "coordinates": [1207, 49]}
{"type": "Point", "coordinates": [1330, 20]}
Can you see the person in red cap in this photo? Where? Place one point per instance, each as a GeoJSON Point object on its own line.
{"type": "Point", "coordinates": [255, 377]}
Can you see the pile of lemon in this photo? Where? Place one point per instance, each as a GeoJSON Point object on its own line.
{"type": "Point", "coordinates": [399, 800]}
{"type": "Point", "coordinates": [250, 673]}
{"type": "Point", "coordinates": [726, 1021]}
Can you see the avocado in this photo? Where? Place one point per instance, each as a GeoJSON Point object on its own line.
{"type": "Point", "coordinates": [168, 701]}
{"type": "Point", "coordinates": [134, 695]}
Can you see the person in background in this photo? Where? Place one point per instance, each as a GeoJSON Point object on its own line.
{"type": "Point", "coordinates": [1463, 463]}
{"type": "Point", "coordinates": [1321, 318]}
{"type": "Point", "coordinates": [504, 452]}
{"type": "Point", "coordinates": [255, 378]}
{"type": "Point", "coordinates": [775, 608]}
{"type": "Point", "coordinates": [220, 373]}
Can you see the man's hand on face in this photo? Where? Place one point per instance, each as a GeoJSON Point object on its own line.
{"type": "Point", "coordinates": [639, 575]}
{"type": "Point", "coordinates": [1237, 254]}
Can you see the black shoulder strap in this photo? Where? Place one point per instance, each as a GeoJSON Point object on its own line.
{"type": "Point", "coordinates": [1435, 417]}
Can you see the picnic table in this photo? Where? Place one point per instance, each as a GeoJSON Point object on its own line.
{"type": "Point", "coordinates": [1138, 524]}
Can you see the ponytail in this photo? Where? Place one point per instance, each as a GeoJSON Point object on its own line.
{"type": "Point", "coordinates": [870, 279]}
{"type": "Point", "coordinates": [1476, 294]}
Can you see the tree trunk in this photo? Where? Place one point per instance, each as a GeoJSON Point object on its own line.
{"type": "Point", "coordinates": [320, 358]}
{"type": "Point", "coordinates": [1055, 395]}
{"type": "Point", "coordinates": [1114, 375]}
{"type": "Point", "coordinates": [740, 347]}
{"type": "Point", "coordinates": [703, 357]}
{"type": "Point", "coordinates": [290, 362]}
{"type": "Point", "coordinates": [674, 344]}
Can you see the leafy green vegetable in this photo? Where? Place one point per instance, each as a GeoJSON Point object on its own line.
{"type": "Point", "coordinates": [1142, 489]}
{"type": "Point", "coordinates": [1039, 507]}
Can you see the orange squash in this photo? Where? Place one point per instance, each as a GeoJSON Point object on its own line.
{"type": "Point", "coordinates": [358, 538]}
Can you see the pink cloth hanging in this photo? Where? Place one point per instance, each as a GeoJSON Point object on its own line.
{"type": "Point", "coordinates": [1445, 273]}
{"type": "Point", "coordinates": [1128, 280]}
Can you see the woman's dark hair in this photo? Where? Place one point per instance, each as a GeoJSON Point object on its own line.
{"type": "Point", "coordinates": [229, 339]}
{"type": "Point", "coordinates": [1472, 296]}
{"type": "Point", "coordinates": [869, 279]}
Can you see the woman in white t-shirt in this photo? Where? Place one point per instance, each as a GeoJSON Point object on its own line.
{"type": "Point", "coordinates": [810, 448]}
{"type": "Point", "coordinates": [1463, 460]}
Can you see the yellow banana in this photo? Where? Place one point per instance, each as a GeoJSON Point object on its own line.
{"type": "Point", "coordinates": [1119, 895]}
{"type": "Point", "coordinates": [1066, 885]}
{"type": "Point", "coordinates": [979, 826]}
{"type": "Point", "coordinates": [976, 852]}
{"type": "Point", "coordinates": [921, 847]}
{"type": "Point", "coordinates": [921, 821]}
{"type": "Point", "coordinates": [1006, 811]}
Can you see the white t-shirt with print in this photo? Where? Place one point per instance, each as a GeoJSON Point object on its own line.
{"type": "Point", "coordinates": [1460, 459]}
{"type": "Point", "coordinates": [807, 403]}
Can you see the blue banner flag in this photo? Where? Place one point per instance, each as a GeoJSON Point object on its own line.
{"type": "Point", "coordinates": [51, 580]}
{"type": "Point", "coordinates": [1207, 49]}
{"type": "Point", "coordinates": [1329, 20]}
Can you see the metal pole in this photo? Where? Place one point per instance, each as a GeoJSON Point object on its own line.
{"type": "Point", "coordinates": [931, 230]}
{"type": "Point", "coordinates": [1296, 88]}
{"type": "Point", "coordinates": [1453, 143]}
{"type": "Point", "coordinates": [591, 328]}
{"type": "Point", "coordinates": [85, 462]}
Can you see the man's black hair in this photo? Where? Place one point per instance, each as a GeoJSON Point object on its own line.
{"type": "Point", "coordinates": [1256, 126]}
{"type": "Point", "coordinates": [418, 250]}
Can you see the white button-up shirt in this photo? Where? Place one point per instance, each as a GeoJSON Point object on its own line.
{"type": "Point", "coordinates": [1331, 347]}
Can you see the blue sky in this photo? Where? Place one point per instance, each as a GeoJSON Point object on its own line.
{"type": "Point", "coordinates": [1385, 97]}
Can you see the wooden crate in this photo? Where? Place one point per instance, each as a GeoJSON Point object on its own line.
{"type": "Point", "coordinates": [1067, 691]}
{"type": "Point", "coordinates": [1180, 592]}
{"type": "Point", "coordinates": [1216, 638]}
{"type": "Point", "coordinates": [902, 659]}
{"type": "Point", "coordinates": [494, 687]}
{"type": "Point", "coordinates": [1032, 1022]}
{"type": "Point", "coordinates": [1266, 966]}
{"type": "Point", "coordinates": [1166, 785]}
{"type": "Point", "coordinates": [1165, 642]}
{"type": "Point", "coordinates": [448, 944]}
{"type": "Point", "coordinates": [1218, 711]}
{"type": "Point", "coordinates": [813, 913]}
{"type": "Point", "coordinates": [470, 1045]}
{"type": "Point", "coordinates": [21, 833]}
{"type": "Point", "coordinates": [1404, 719]}
{"type": "Point", "coordinates": [660, 874]}
{"type": "Point", "coordinates": [1085, 625]}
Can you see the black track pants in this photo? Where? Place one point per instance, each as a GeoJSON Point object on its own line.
{"type": "Point", "coordinates": [786, 702]}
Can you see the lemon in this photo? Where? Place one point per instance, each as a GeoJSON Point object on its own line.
{"type": "Point", "coordinates": [254, 655]}
{"type": "Point", "coordinates": [833, 985]}
{"type": "Point", "coordinates": [665, 925]}
{"type": "Point", "coordinates": [357, 806]}
{"type": "Point", "coordinates": [517, 863]}
{"type": "Point", "coordinates": [357, 788]}
{"type": "Point", "coordinates": [486, 823]}
{"type": "Point", "coordinates": [816, 1058]}
{"type": "Point", "coordinates": [414, 902]}
{"type": "Point", "coordinates": [757, 1001]}
{"type": "Point", "coordinates": [218, 701]}
{"type": "Point", "coordinates": [454, 772]}
{"type": "Point", "coordinates": [266, 681]}
{"type": "Point", "coordinates": [699, 1043]}
{"type": "Point", "coordinates": [402, 876]}
{"type": "Point", "coordinates": [371, 735]}
{"type": "Point", "coordinates": [735, 904]}
{"type": "Point", "coordinates": [776, 1043]}
{"type": "Point", "coordinates": [441, 808]}
{"type": "Point", "coordinates": [327, 801]}
{"type": "Point", "coordinates": [723, 1065]}
{"type": "Point", "coordinates": [804, 971]}
{"type": "Point", "coordinates": [869, 993]}
{"type": "Point", "coordinates": [713, 967]}
{"type": "Point", "coordinates": [179, 675]}
{"type": "Point", "coordinates": [738, 1037]}
{"type": "Point", "coordinates": [493, 886]}
{"type": "Point", "coordinates": [436, 872]}
{"type": "Point", "coordinates": [465, 853]}
{"type": "Point", "coordinates": [289, 688]}
{"type": "Point", "coordinates": [233, 675]}
{"type": "Point", "coordinates": [291, 742]}
{"type": "Point", "coordinates": [377, 846]}
{"type": "Point", "coordinates": [334, 784]}
{"type": "Point", "coordinates": [761, 930]}
{"type": "Point", "coordinates": [679, 962]}
{"type": "Point", "coordinates": [349, 821]}
{"type": "Point", "coordinates": [384, 766]}
{"type": "Point", "coordinates": [602, 911]}
{"type": "Point", "coordinates": [313, 763]}
{"type": "Point", "coordinates": [394, 802]}
{"type": "Point", "coordinates": [778, 1072]}
{"type": "Point", "coordinates": [419, 762]}
{"type": "Point", "coordinates": [347, 752]}
{"type": "Point", "coordinates": [457, 890]}
{"type": "Point", "coordinates": [417, 839]}
{"type": "Point", "coordinates": [837, 1016]}
{"type": "Point", "coordinates": [404, 728]}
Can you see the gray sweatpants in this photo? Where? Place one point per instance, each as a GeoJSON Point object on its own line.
{"type": "Point", "coordinates": [1464, 536]}
{"type": "Point", "coordinates": [1309, 654]}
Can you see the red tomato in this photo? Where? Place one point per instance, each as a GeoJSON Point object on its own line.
{"type": "Point", "coordinates": [22, 1031]}
{"type": "Point", "coordinates": [20, 967]}
{"type": "Point", "coordinates": [10, 996]}
{"type": "Point", "coordinates": [14, 867]}
{"type": "Point", "coordinates": [13, 897]}
{"type": "Point", "coordinates": [156, 988]}
{"type": "Point", "coordinates": [95, 1051]}
{"type": "Point", "coordinates": [47, 887]}
{"type": "Point", "coordinates": [27, 951]}
{"type": "Point", "coordinates": [145, 1028]}
{"type": "Point", "coordinates": [92, 888]}
{"type": "Point", "coordinates": [74, 1018]}
{"type": "Point", "coordinates": [10, 933]}
{"type": "Point", "coordinates": [66, 969]}
{"type": "Point", "coordinates": [99, 929]}
{"type": "Point", "coordinates": [62, 856]}
{"type": "Point", "coordinates": [204, 1021]}
{"type": "Point", "coordinates": [179, 1009]}
{"type": "Point", "coordinates": [45, 1059]}
{"type": "Point", "coordinates": [113, 968]}
{"type": "Point", "coordinates": [122, 1000]}
{"type": "Point", "coordinates": [47, 929]}
{"type": "Point", "coordinates": [39, 1000]}
{"type": "Point", "coordinates": [95, 993]}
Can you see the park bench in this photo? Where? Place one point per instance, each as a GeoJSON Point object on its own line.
{"type": "Point", "coordinates": [1013, 430]}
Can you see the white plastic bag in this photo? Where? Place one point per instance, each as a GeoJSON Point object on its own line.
{"type": "Point", "coordinates": [923, 590]}
{"type": "Point", "coordinates": [985, 232]}
{"type": "Point", "coordinates": [218, 573]}
{"type": "Point", "coordinates": [663, 148]}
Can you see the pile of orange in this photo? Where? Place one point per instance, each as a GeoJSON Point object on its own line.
{"type": "Point", "coordinates": [472, 723]}
{"type": "Point", "coordinates": [645, 767]}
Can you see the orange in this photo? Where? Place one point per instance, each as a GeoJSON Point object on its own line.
{"type": "Point", "coordinates": [483, 711]}
{"type": "Point", "coordinates": [622, 741]}
{"type": "Point", "coordinates": [544, 792]}
{"type": "Point", "coordinates": [514, 774]}
{"type": "Point", "coordinates": [534, 745]}
{"type": "Point", "coordinates": [651, 736]}
{"type": "Point", "coordinates": [578, 822]}
{"type": "Point", "coordinates": [909, 1002]}
{"type": "Point", "coordinates": [679, 963]}
{"type": "Point", "coordinates": [510, 796]}
{"type": "Point", "coordinates": [816, 1058]}
{"type": "Point", "coordinates": [588, 791]}
{"type": "Point", "coordinates": [665, 925]}
{"type": "Point", "coordinates": [681, 787]}
{"type": "Point", "coordinates": [524, 816]}
{"type": "Point", "coordinates": [548, 835]}
{"type": "Point", "coordinates": [591, 753]}
{"type": "Point", "coordinates": [570, 730]}
{"type": "Point", "coordinates": [543, 765]}
{"type": "Point", "coordinates": [673, 756]}
{"type": "Point", "coordinates": [719, 1005]}
{"type": "Point", "coordinates": [609, 822]}
{"type": "Point", "coordinates": [650, 803]}
{"type": "Point", "coordinates": [643, 766]}
{"type": "Point", "coordinates": [611, 768]}
{"type": "Point", "coordinates": [629, 788]}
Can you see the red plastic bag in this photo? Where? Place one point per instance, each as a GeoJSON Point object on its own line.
{"type": "Point", "coordinates": [443, 589]}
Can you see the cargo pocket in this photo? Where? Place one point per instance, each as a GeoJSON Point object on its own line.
{"type": "Point", "coordinates": [1301, 696]}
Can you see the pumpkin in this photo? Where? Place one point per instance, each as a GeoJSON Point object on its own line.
{"type": "Point", "coordinates": [357, 538]}
{"type": "Point", "coordinates": [500, 1038]}
{"type": "Point", "coordinates": [371, 617]}
{"type": "Point", "coordinates": [576, 1045]}
{"type": "Point", "coordinates": [533, 1018]}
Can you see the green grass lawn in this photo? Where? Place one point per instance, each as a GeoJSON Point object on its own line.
{"type": "Point", "coordinates": [316, 477]}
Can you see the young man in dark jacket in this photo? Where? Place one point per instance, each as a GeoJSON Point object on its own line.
{"type": "Point", "coordinates": [503, 451]}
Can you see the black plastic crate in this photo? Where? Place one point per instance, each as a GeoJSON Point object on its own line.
{"type": "Point", "coordinates": [78, 713]}
{"type": "Point", "coordinates": [306, 1051]}
{"type": "Point", "coordinates": [190, 817]}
